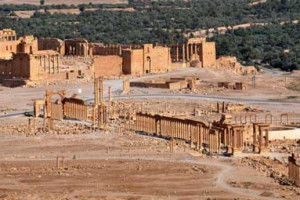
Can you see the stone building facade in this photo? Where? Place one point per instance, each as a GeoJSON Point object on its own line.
{"type": "Point", "coordinates": [108, 66]}
{"type": "Point", "coordinates": [294, 169]}
{"type": "Point", "coordinates": [134, 60]}
{"type": "Point", "coordinates": [52, 44]}
{"type": "Point", "coordinates": [8, 43]}
{"type": "Point", "coordinates": [32, 59]}
{"type": "Point", "coordinates": [195, 50]}
{"type": "Point", "coordinates": [78, 47]}
{"type": "Point", "coordinates": [147, 59]}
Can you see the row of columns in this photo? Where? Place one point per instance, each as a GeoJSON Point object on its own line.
{"type": "Point", "coordinates": [76, 111]}
{"type": "Point", "coordinates": [77, 49]}
{"type": "Point", "coordinates": [185, 52]}
{"type": "Point", "coordinates": [230, 135]}
{"type": "Point", "coordinates": [197, 134]}
{"type": "Point", "coordinates": [260, 137]}
{"type": "Point", "coordinates": [50, 63]}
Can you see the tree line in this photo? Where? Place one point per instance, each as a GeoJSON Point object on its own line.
{"type": "Point", "coordinates": [166, 21]}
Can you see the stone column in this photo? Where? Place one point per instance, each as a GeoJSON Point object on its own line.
{"type": "Point", "coordinates": [96, 91]}
{"type": "Point", "coordinates": [267, 138]}
{"type": "Point", "coordinates": [57, 63]}
{"type": "Point", "coordinates": [260, 140]}
{"type": "Point", "coordinates": [188, 52]}
{"type": "Point", "coordinates": [109, 94]}
{"type": "Point", "coordinates": [101, 100]}
{"type": "Point", "coordinates": [183, 53]}
{"type": "Point", "coordinates": [49, 64]}
{"type": "Point", "coordinates": [255, 145]}
{"type": "Point", "coordinates": [200, 137]}
{"type": "Point", "coordinates": [52, 60]}
{"type": "Point", "coordinates": [177, 53]}
{"type": "Point", "coordinates": [223, 107]}
{"type": "Point", "coordinates": [191, 127]}
{"type": "Point", "coordinates": [44, 57]}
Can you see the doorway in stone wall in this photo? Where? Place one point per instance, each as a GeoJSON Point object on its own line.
{"type": "Point", "coordinates": [148, 65]}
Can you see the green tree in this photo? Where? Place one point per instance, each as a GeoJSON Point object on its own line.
{"type": "Point", "coordinates": [82, 8]}
{"type": "Point", "coordinates": [42, 2]}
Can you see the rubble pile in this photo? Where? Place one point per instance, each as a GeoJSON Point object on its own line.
{"type": "Point", "coordinates": [61, 128]}
{"type": "Point", "coordinates": [283, 146]}
{"type": "Point", "coordinates": [274, 169]}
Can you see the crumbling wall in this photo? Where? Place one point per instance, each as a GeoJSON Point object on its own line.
{"type": "Point", "coordinates": [208, 54]}
{"type": "Point", "coordinates": [133, 61]}
{"type": "Point", "coordinates": [156, 59]}
{"type": "Point", "coordinates": [19, 67]}
{"type": "Point", "coordinates": [294, 169]}
{"type": "Point", "coordinates": [9, 43]}
{"type": "Point", "coordinates": [108, 66]}
{"type": "Point", "coordinates": [51, 44]}
{"type": "Point", "coordinates": [231, 63]}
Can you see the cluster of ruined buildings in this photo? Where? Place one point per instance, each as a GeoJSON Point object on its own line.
{"type": "Point", "coordinates": [219, 137]}
{"type": "Point", "coordinates": [30, 59]}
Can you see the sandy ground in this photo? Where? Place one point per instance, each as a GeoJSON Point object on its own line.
{"type": "Point", "coordinates": [117, 164]}
{"type": "Point", "coordinates": [30, 13]}
{"type": "Point", "coordinates": [68, 2]}
{"type": "Point", "coordinates": [122, 165]}
{"type": "Point", "coordinates": [269, 87]}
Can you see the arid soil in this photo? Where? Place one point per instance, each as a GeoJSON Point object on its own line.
{"type": "Point", "coordinates": [30, 13]}
{"type": "Point", "coordinates": [117, 164]}
{"type": "Point", "coordinates": [122, 165]}
{"type": "Point", "coordinates": [68, 2]}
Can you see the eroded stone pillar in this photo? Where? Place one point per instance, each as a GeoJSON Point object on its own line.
{"type": "Point", "coordinates": [96, 91]}
{"type": "Point", "coordinates": [109, 94]}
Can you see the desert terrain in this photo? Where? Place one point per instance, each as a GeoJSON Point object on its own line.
{"type": "Point", "coordinates": [123, 165]}
{"type": "Point", "coordinates": [68, 2]}
{"type": "Point", "coordinates": [117, 163]}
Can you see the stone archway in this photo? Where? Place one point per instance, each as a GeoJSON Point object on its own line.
{"type": "Point", "coordinates": [268, 119]}
{"type": "Point", "coordinates": [49, 95]}
{"type": "Point", "coordinates": [253, 118]}
{"type": "Point", "coordinates": [286, 116]}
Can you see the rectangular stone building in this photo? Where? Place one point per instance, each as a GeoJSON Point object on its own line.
{"type": "Point", "coordinates": [196, 51]}
{"type": "Point", "coordinates": [52, 44]}
{"type": "Point", "coordinates": [8, 43]}
{"type": "Point", "coordinates": [147, 59]}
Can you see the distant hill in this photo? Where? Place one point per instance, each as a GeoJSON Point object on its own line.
{"type": "Point", "coordinates": [68, 2]}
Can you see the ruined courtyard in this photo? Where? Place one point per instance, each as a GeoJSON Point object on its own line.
{"type": "Point", "coordinates": [95, 121]}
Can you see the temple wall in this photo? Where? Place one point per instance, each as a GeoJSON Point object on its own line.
{"type": "Point", "coordinates": [108, 66]}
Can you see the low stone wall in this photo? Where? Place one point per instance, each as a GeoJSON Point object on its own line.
{"type": "Point", "coordinates": [289, 133]}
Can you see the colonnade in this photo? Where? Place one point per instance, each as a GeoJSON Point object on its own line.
{"type": "Point", "coordinates": [76, 111]}
{"type": "Point", "coordinates": [185, 52]}
{"type": "Point", "coordinates": [199, 134]}
{"type": "Point", "coordinates": [77, 49]}
{"type": "Point", "coordinates": [49, 63]}
{"type": "Point", "coordinates": [194, 132]}
{"type": "Point", "coordinates": [260, 137]}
